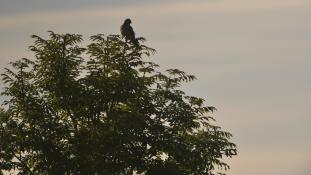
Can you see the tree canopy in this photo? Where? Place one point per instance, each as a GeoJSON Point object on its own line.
{"type": "Point", "coordinates": [104, 109]}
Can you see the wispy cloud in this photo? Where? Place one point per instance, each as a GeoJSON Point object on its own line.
{"type": "Point", "coordinates": [156, 9]}
{"type": "Point", "coordinates": [274, 162]}
{"type": "Point", "coordinates": [252, 58]}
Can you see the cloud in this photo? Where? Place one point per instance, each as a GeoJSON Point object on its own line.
{"type": "Point", "coordinates": [157, 10]}
{"type": "Point", "coordinates": [251, 57]}
{"type": "Point", "coordinates": [278, 161]}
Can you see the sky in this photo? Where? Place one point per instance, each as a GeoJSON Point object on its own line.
{"type": "Point", "coordinates": [252, 59]}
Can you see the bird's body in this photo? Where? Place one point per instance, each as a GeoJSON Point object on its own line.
{"type": "Point", "coordinates": [128, 33]}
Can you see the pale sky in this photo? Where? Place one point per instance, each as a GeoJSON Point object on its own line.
{"type": "Point", "coordinates": [252, 59]}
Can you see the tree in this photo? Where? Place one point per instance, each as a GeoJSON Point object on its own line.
{"type": "Point", "coordinates": [103, 109]}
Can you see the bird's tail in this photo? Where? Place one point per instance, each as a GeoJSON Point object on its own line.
{"type": "Point", "coordinates": [136, 42]}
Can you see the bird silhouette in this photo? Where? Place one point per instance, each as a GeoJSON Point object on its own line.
{"type": "Point", "coordinates": [128, 32]}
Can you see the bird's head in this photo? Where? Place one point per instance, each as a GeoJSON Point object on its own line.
{"type": "Point", "coordinates": [128, 21]}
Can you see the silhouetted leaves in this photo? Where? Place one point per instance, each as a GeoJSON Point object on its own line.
{"type": "Point", "coordinates": [103, 109]}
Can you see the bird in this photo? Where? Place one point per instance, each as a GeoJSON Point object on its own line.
{"type": "Point", "coordinates": [128, 33]}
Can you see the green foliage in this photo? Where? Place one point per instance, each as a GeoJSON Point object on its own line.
{"type": "Point", "coordinates": [102, 109]}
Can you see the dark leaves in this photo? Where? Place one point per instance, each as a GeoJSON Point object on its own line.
{"type": "Point", "coordinates": [111, 112]}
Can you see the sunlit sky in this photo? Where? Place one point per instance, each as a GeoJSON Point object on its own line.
{"type": "Point", "coordinates": [252, 59]}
